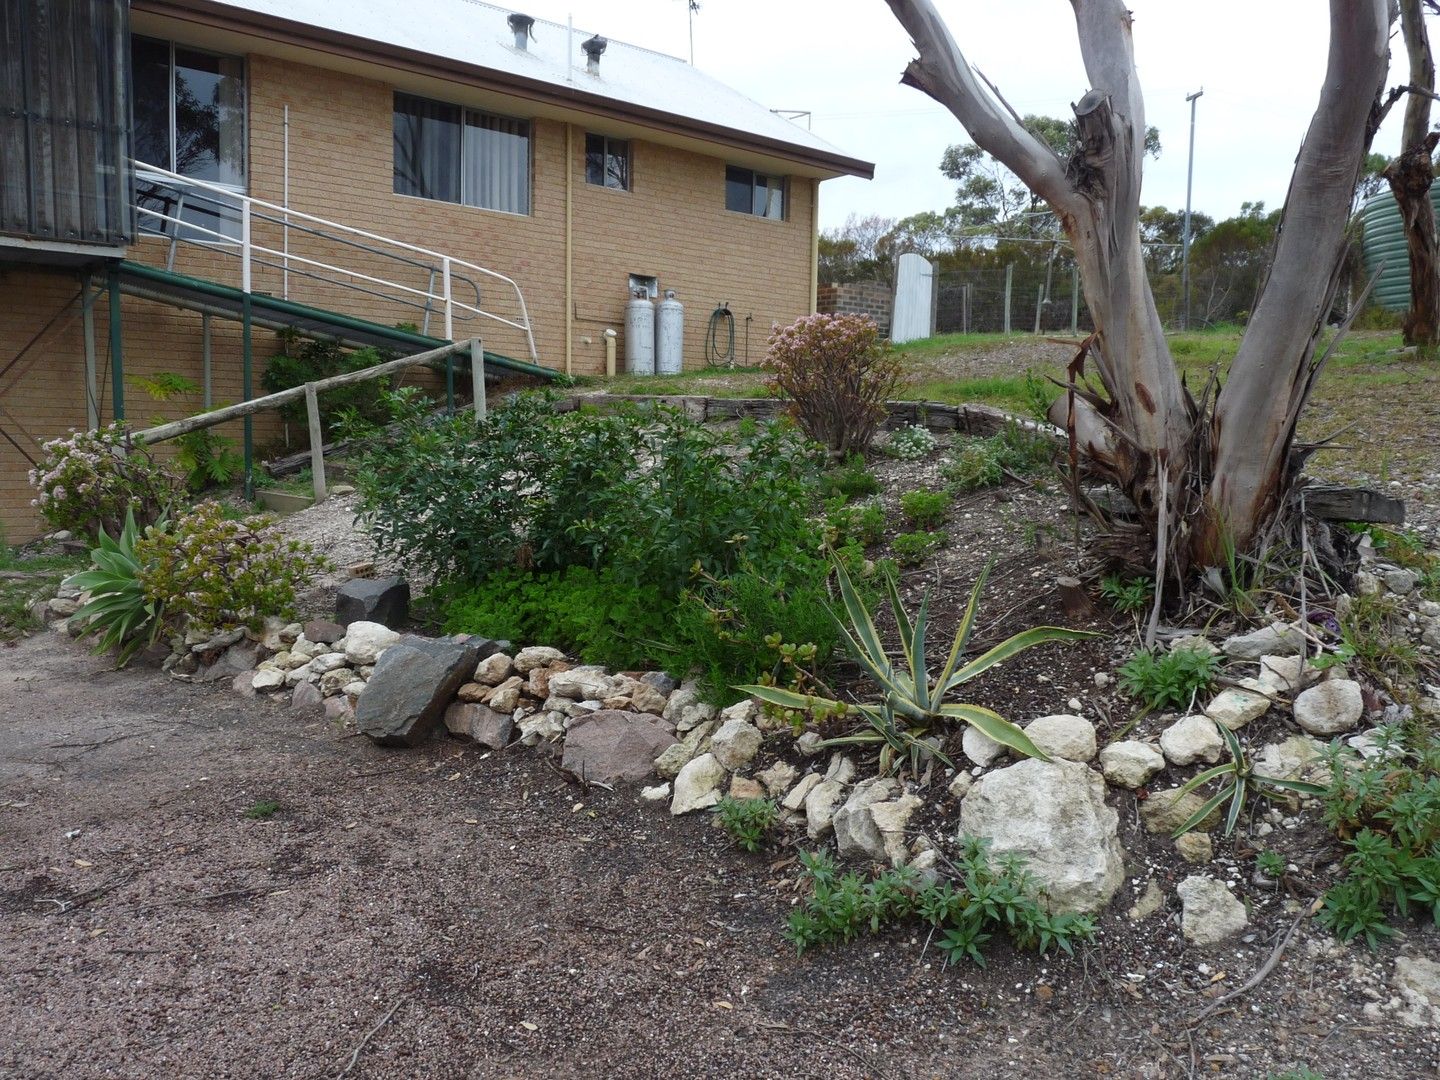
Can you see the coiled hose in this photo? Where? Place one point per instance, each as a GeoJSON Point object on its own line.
{"type": "Point", "coordinates": [715, 356]}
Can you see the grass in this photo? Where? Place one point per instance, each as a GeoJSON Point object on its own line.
{"type": "Point", "coordinates": [263, 810]}
{"type": "Point", "coordinates": [44, 574]}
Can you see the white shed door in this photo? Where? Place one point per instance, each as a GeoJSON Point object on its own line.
{"type": "Point", "coordinates": [914, 282]}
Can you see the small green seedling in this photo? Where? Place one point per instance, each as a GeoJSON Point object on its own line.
{"type": "Point", "coordinates": [263, 810]}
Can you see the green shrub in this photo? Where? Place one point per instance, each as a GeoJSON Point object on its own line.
{"type": "Point", "coordinates": [836, 375]}
{"type": "Point", "coordinates": [988, 897]}
{"type": "Point", "coordinates": [303, 360]}
{"type": "Point", "coordinates": [654, 498]}
{"type": "Point", "coordinates": [207, 459]}
{"type": "Point", "coordinates": [218, 572]}
{"type": "Point", "coordinates": [913, 548]}
{"type": "Point", "coordinates": [856, 523]}
{"type": "Point", "coordinates": [1169, 680]}
{"type": "Point", "coordinates": [590, 615]}
{"type": "Point", "coordinates": [1387, 811]}
{"type": "Point", "coordinates": [850, 480]}
{"type": "Point", "coordinates": [747, 821]}
{"type": "Point", "coordinates": [974, 466]}
{"type": "Point", "coordinates": [1023, 450]}
{"type": "Point", "coordinates": [90, 480]}
{"type": "Point", "coordinates": [925, 509]}
{"type": "Point", "coordinates": [120, 610]}
{"type": "Point", "coordinates": [910, 443]}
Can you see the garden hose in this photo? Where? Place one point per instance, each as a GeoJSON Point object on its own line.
{"type": "Point", "coordinates": [715, 356]}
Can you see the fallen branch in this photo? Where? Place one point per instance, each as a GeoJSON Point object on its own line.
{"type": "Point", "coordinates": [355, 1054]}
{"type": "Point", "coordinates": [1265, 968]}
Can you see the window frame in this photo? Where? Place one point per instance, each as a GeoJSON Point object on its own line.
{"type": "Point", "coordinates": [466, 114]}
{"type": "Point", "coordinates": [226, 225]}
{"type": "Point", "coordinates": [772, 181]}
{"type": "Point", "coordinates": [606, 142]}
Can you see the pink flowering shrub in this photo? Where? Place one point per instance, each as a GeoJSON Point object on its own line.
{"type": "Point", "coordinates": [218, 573]}
{"type": "Point", "coordinates": [836, 376]}
{"type": "Point", "coordinates": [87, 480]}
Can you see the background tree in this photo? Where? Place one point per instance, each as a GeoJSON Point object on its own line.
{"type": "Point", "coordinates": [1410, 176]}
{"type": "Point", "coordinates": [851, 252]}
{"type": "Point", "coordinates": [1202, 480]}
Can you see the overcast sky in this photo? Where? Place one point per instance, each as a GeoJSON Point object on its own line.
{"type": "Point", "coordinates": [1260, 63]}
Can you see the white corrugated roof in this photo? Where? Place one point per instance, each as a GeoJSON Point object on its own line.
{"type": "Point", "coordinates": [477, 34]}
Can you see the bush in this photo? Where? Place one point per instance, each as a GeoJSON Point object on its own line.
{"type": "Point", "coordinates": [1169, 680]}
{"type": "Point", "coordinates": [302, 360]}
{"type": "Point", "coordinates": [590, 615]}
{"type": "Point", "coordinates": [220, 573]}
{"type": "Point", "coordinates": [852, 480]}
{"type": "Point", "coordinates": [862, 524]}
{"type": "Point", "coordinates": [836, 375]}
{"type": "Point", "coordinates": [1388, 810]}
{"type": "Point", "coordinates": [913, 548]}
{"type": "Point", "coordinates": [974, 466]}
{"type": "Point", "coordinates": [90, 480]}
{"type": "Point", "coordinates": [650, 496]}
{"type": "Point", "coordinates": [925, 509]}
{"type": "Point", "coordinates": [208, 459]}
{"type": "Point", "coordinates": [910, 443]}
{"type": "Point", "coordinates": [982, 463]}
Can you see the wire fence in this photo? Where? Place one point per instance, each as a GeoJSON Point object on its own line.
{"type": "Point", "coordinates": [1010, 299]}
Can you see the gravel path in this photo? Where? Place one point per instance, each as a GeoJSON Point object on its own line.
{"type": "Point", "coordinates": [439, 913]}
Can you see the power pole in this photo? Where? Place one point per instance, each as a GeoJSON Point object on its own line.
{"type": "Point", "coordinates": [694, 6]}
{"type": "Point", "coordinates": [1185, 241]}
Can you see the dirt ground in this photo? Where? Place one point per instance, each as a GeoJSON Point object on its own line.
{"type": "Point", "coordinates": [443, 913]}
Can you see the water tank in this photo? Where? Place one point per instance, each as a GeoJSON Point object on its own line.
{"type": "Point", "coordinates": [640, 334]}
{"type": "Point", "coordinates": [670, 335]}
{"type": "Point", "coordinates": [1385, 242]}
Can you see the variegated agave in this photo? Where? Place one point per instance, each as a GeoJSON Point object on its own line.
{"type": "Point", "coordinates": [1242, 779]}
{"type": "Point", "coordinates": [913, 704]}
{"type": "Point", "coordinates": [118, 607]}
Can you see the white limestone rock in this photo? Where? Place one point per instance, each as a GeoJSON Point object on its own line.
{"type": "Point", "coordinates": [1130, 764]}
{"type": "Point", "coordinates": [1191, 739]}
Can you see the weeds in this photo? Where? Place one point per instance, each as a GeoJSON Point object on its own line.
{"type": "Point", "coordinates": [1129, 595]}
{"type": "Point", "coordinates": [1168, 680]}
{"type": "Point", "coordinates": [748, 821]}
{"type": "Point", "coordinates": [263, 810]}
{"type": "Point", "coordinates": [925, 509]}
{"type": "Point", "coordinates": [988, 897]}
{"type": "Point", "coordinates": [913, 548]}
{"type": "Point", "coordinates": [850, 480]}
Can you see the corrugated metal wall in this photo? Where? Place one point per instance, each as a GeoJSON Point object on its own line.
{"type": "Point", "coordinates": [65, 120]}
{"type": "Point", "coordinates": [1385, 242]}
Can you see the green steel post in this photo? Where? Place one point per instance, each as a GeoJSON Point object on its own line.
{"type": "Point", "coordinates": [117, 369]}
{"type": "Point", "coordinates": [450, 384]}
{"type": "Point", "coordinates": [247, 388]}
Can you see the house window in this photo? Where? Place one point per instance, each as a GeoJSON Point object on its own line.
{"type": "Point", "coordinates": [460, 155]}
{"type": "Point", "coordinates": [607, 162]}
{"type": "Point", "coordinates": [190, 119]}
{"type": "Point", "coordinates": [749, 192]}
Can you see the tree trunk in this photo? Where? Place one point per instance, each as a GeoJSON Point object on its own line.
{"type": "Point", "coordinates": [1410, 176]}
{"type": "Point", "coordinates": [1141, 434]}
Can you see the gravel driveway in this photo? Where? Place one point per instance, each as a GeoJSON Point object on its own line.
{"type": "Point", "coordinates": [439, 913]}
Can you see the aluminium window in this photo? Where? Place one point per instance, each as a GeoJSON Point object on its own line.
{"type": "Point", "coordinates": [607, 162]}
{"type": "Point", "coordinates": [460, 155]}
{"type": "Point", "coordinates": [189, 109]}
{"type": "Point", "coordinates": [750, 192]}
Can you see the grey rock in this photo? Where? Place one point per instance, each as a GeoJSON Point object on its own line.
{"type": "Point", "coordinates": [537, 656]}
{"type": "Point", "coordinates": [691, 715]}
{"type": "Point", "coordinates": [1053, 814]}
{"type": "Point", "coordinates": [1191, 739]}
{"type": "Point", "coordinates": [735, 743]}
{"type": "Point", "coordinates": [1130, 764]}
{"type": "Point", "coordinates": [338, 710]}
{"type": "Point", "coordinates": [1401, 582]}
{"type": "Point", "coordinates": [795, 798]}
{"type": "Point", "coordinates": [306, 696]}
{"type": "Point", "coordinates": [1235, 707]}
{"type": "Point", "coordinates": [479, 723]}
{"type": "Point", "coordinates": [1165, 811]}
{"type": "Point", "coordinates": [414, 681]}
{"type": "Point", "coordinates": [324, 631]}
{"type": "Point", "coordinates": [494, 669]}
{"type": "Point", "coordinates": [777, 778]}
{"type": "Point", "coordinates": [1209, 912]}
{"type": "Point", "coordinates": [660, 681]}
{"type": "Point", "coordinates": [242, 684]}
{"type": "Point", "coordinates": [871, 823]}
{"type": "Point", "coordinates": [336, 680]}
{"type": "Point", "coordinates": [381, 600]}
{"type": "Point", "coordinates": [1332, 707]}
{"type": "Point", "coordinates": [267, 678]}
{"type": "Point", "coordinates": [1195, 847]}
{"type": "Point", "coordinates": [979, 747]}
{"type": "Point", "coordinates": [1291, 759]}
{"type": "Point", "coordinates": [647, 699]}
{"type": "Point", "coordinates": [697, 787]}
{"type": "Point", "coordinates": [1284, 674]}
{"type": "Point", "coordinates": [820, 806]}
{"type": "Point", "coordinates": [366, 641]}
{"type": "Point", "coordinates": [1063, 736]}
{"type": "Point", "coordinates": [809, 744]}
{"type": "Point", "coordinates": [842, 769]}
{"type": "Point", "coordinates": [614, 747]}
{"type": "Point", "coordinates": [581, 684]}
{"type": "Point", "coordinates": [675, 758]}
{"type": "Point", "coordinates": [1418, 981]}
{"type": "Point", "coordinates": [1277, 639]}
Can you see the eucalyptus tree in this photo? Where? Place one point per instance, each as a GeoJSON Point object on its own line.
{"type": "Point", "coordinates": [1205, 476]}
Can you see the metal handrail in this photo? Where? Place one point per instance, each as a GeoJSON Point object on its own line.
{"type": "Point", "coordinates": [451, 269]}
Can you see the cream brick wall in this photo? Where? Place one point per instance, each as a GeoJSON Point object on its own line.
{"type": "Point", "coordinates": [672, 225]}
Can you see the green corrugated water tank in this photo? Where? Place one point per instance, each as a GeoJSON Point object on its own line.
{"type": "Point", "coordinates": [1385, 241]}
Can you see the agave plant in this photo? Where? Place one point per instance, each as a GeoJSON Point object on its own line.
{"type": "Point", "coordinates": [1243, 779]}
{"type": "Point", "coordinates": [912, 703]}
{"type": "Point", "coordinates": [118, 607]}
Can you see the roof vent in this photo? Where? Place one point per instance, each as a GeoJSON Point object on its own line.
{"type": "Point", "coordinates": [593, 48]}
{"type": "Point", "coordinates": [521, 24]}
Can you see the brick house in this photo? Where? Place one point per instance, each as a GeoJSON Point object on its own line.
{"type": "Point", "coordinates": [444, 164]}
